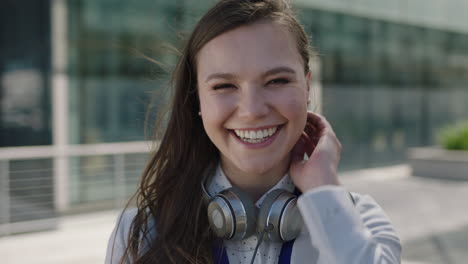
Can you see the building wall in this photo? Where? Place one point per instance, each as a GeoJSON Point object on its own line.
{"type": "Point", "coordinates": [24, 73]}
{"type": "Point", "coordinates": [25, 110]}
{"type": "Point", "coordinates": [387, 85]}
{"type": "Point", "coordinates": [445, 15]}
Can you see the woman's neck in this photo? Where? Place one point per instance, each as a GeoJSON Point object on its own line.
{"type": "Point", "coordinates": [255, 183]}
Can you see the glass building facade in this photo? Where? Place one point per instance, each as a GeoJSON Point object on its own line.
{"type": "Point", "coordinates": [386, 86]}
{"type": "Point", "coordinates": [26, 185]}
{"type": "Point", "coordinates": [120, 53]}
{"type": "Point", "coordinates": [25, 50]}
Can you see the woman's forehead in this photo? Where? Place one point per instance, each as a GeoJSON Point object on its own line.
{"type": "Point", "coordinates": [254, 47]}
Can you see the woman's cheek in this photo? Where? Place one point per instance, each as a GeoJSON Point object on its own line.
{"type": "Point", "coordinates": [295, 104]}
{"type": "Point", "coordinates": [216, 109]}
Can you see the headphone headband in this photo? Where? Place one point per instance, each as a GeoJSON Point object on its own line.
{"type": "Point", "coordinates": [206, 195]}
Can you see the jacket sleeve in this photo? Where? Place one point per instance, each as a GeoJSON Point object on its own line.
{"type": "Point", "coordinates": [344, 232]}
{"type": "Point", "coordinates": [118, 239]}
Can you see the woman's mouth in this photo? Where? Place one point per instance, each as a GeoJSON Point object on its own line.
{"type": "Point", "coordinates": [254, 136]}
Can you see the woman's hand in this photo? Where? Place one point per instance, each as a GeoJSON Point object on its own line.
{"type": "Point", "coordinates": [323, 149]}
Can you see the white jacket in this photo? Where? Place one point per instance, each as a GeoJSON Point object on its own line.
{"type": "Point", "coordinates": [335, 230]}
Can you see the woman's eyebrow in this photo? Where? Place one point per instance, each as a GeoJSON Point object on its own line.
{"type": "Point", "coordinates": [281, 69]}
{"type": "Point", "coordinates": [220, 75]}
{"type": "Point", "coordinates": [229, 76]}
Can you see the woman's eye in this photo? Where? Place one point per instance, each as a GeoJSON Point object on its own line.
{"type": "Point", "coordinates": [223, 86]}
{"type": "Point", "coordinates": [279, 81]}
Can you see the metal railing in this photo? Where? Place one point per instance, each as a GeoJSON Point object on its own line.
{"type": "Point", "coordinates": [93, 176]}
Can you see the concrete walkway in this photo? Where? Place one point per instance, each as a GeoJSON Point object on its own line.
{"type": "Point", "coordinates": [430, 216]}
{"type": "Point", "coordinates": [79, 239]}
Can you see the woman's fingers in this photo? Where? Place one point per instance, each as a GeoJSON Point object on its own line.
{"type": "Point", "coordinates": [319, 129]}
{"type": "Point", "coordinates": [298, 150]}
{"type": "Point", "coordinates": [309, 145]}
{"type": "Point", "coordinates": [320, 122]}
{"type": "Point", "coordinates": [303, 145]}
{"type": "Point", "coordinates": [312, 132]}
{"type": "Point", "coordinates": [318, 137]}
{"type": "Point", "coordinates": [317, 120]}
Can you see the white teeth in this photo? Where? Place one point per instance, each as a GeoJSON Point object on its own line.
{"type": "Point", "coordinates": [272, 130]}
{"type": "Point", "coordinates": [255, 136]}
{"type": "Point", "coordinates": [259, 134]}
{"type": "Point", "coordinates": [251, 135]}
{"type": "Point", "coordinates": [253, 140]}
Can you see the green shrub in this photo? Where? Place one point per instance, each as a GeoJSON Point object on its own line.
{"type": "Point", "coordinates": [454, 137]}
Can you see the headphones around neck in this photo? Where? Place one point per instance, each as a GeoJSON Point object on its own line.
{"type": "Point", "coordinates": [233, 215]}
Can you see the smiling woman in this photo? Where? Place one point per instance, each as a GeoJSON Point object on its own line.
{"type": "Point", "coordinates": [262, 85]}
{"type": "Point", "coordinates": [229, 182]}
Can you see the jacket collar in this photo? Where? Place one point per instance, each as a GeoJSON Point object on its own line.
{"type": "Point", "coordinates": [219, 182]}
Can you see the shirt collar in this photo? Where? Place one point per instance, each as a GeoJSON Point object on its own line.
{"type": "Point", "coordinates": [219, 182]}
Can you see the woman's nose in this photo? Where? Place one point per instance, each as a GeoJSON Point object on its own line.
{"type": "Point", "coordinates": [253, 103]}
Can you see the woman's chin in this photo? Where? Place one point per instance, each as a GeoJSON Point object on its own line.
{"type": "Point", "coordinates": [260, 165]}
{"type": "Point", "coordinates": [260, 168]}
{"type": "Point", "coordinates": [256, 170]}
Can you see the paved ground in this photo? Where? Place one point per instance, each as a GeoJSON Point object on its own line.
{"type": "Point", "coordinates": [78, 240]}
{"type": "Point", "coordinates": [430, 216]}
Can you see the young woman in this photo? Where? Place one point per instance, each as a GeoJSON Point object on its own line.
{"type": "Point", "coordinates": [230, 181]}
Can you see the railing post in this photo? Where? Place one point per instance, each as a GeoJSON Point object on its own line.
{"type": "Point", "coordinates": [119, 180]}
{"type": "Point", "coordinates": [4, 197]}
{"type": "Point", "coordinates": [60, 103]}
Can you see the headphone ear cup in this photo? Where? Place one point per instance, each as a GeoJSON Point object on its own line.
{"type": "Point", "coordinates": [278, 213]}
{"type": "Point", "coordinates": [269, 215]}
{"type": "Point", "coordinates": [232, 214]}
{"type": "Point", "coordinates": [291, 221]}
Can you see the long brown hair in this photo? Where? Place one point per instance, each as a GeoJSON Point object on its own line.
{"type": "Point", "coordinates": [169, 192]}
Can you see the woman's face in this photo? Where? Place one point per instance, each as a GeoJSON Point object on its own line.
{"type": "Point", "coordinates": [253, 96]}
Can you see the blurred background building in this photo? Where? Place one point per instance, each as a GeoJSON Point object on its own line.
{"type": "Point", "coordinates": [77, 76]}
